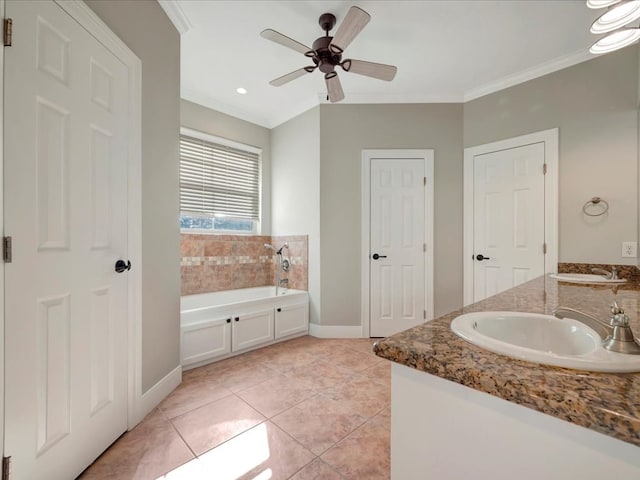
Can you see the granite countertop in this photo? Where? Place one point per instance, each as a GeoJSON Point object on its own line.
{"type": "Point", "coordinates": [604, 402]}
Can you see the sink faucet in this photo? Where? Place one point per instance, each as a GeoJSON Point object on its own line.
{"type": "Point", "coordinates": [617, 335]}
{"type": "Point", "coordinates": [609, 275]}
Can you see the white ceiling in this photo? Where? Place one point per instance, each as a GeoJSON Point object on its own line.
{"type": "Point", "coordinates": [445, 51]}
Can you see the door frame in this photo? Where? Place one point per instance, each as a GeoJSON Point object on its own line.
{"type": "Point", "coordinates": [427, 155]}
{"type": "Point", "coordinates": [550, 140]}
{"type": "Point", "coordinates": [90, 21]}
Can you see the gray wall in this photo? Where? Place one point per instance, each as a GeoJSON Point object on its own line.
{"type": "Point", "coordinates": [204, 119]}
{"type": "Point", "coordinates": [594, 105]}
{"type": "Point", "coordinates": [145, 28]}
{"type": "Point", "coordinates": [295, 148]}
{"type": "Point", "coordinates": [345, 130]}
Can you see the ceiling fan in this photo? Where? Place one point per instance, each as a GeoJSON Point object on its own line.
{"type": "Point", "coordinates": [327, 53]}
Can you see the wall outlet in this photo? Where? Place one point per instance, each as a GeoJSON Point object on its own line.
{"type": "Point", "coordinates": [629, 249]}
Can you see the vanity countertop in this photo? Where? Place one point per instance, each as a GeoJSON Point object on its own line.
{"type": "Point", "coordinates": [605, 402]}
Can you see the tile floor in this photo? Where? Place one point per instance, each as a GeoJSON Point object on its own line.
{"type": "Point", "coordinates": [303, 409]}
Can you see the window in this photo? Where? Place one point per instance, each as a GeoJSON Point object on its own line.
{"type": "Point", "coordinates": [219, 184]}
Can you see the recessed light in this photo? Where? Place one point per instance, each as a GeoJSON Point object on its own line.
{"type": "Point", "coordinates": [615, 40]}
{"type": "Point", "coordinates": [617, 16]}
{"type": "Point", "coordinates": [600, 3]}
{"type": "Point", "coordinates": [241, 90]}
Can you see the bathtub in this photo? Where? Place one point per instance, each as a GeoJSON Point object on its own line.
{"type": "Point", "coordinates": [218, 325]}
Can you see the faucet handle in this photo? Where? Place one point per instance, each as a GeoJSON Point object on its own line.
{"type": "Point", "coordinates": [614, 273]}
{"type": "Point", "coordinates": [618, 317]}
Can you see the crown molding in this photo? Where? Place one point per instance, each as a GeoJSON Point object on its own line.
{"type": "Point", "coordinates": [529, 74]}
{"type": "Point", "coordinates": [176, 14]}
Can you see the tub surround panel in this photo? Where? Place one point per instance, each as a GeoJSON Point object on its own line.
{"type": "Point", "coordinates": [606, 403]}
{"type": "Point", "coordinates": [212, 263]}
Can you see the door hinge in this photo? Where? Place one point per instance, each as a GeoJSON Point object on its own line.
{"type": "Point", "coordinates": [6, 468]}
{"type": "Point", "coordinates": [8, 31]}
{"type": "Point", "coordinates": [424, 314]}
{"type": "Point", "coordinates": [424, 247]}
{"type": "Point", "coordinates": [544, 168]}
{"type": "Point", "coordinates": [544, 248]}
{"type": "Point", "coordinates": [7, 253]}
{"type": "Point", "coordinates": [425, 181]}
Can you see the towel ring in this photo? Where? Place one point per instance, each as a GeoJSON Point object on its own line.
{"type": "Point", "coordinates": [597, 202]}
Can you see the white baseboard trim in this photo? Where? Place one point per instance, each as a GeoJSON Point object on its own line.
{"type": "Point", "coordinates": [152, 397]}
{"type": "Point", "coordinates": [335, 331]}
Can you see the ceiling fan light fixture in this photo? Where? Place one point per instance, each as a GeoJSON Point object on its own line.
{"type": "Point", "coordinates": [616, 40]}
{"type": "Point", "coordinates": [616, 16]}
{"type": "Point", "coordinates": [595, 4]}
{"type": "Point", "coordinates": [241, 90]}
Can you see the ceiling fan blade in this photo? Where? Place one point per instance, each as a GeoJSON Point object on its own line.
{"type": "Point", "coordinates": [284, 40]}
{"type": "Point", "coordinates": [334, 88]}
{"type": "Point", "coordinates": [288, 77]}
{"type": "Point", "coordinates": [351, 26]}
{"type": "Point", "coordinates": [370, 69]}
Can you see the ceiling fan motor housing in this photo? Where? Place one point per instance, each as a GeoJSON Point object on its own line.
{"type": "Point", "coordinates": [325, 58]}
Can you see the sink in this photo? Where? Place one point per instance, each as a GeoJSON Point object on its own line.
{"type": "Point", "coordinates": [542, 339]}
{"type": "Point", "coordinates": [586, 278]}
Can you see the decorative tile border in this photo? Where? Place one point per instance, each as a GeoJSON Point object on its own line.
{"type": "Point", "coordinates": [235, 260]}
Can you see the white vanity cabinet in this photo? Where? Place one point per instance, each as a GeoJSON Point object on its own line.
{"type": "Point", "coordinates": [291, 319]}
{"type": "Point", "coordinates": [210, 333]}
{"type": "Point", "coordinates": [251, 328]}
{"type": "Point", "coordinates": [205, 340]}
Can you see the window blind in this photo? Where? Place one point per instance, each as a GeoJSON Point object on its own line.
{"type": "Point", "coordinates": [218, 180]}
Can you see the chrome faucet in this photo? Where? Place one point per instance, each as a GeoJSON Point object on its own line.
{"type": "Point", "coordinates": [609, 275]}
{"type": "Point", "coordinates": [283, 264]}
{"type": "Point", "coordinates": [617, 335]}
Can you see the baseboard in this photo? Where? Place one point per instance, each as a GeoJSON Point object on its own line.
{"type": "Point", "coordinates": [152, 397]}
{"type": "Point", "coordinates": [335, 331]}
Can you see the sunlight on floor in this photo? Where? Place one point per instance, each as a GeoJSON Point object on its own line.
{"type": "Point", "coordinates": [230, 460]}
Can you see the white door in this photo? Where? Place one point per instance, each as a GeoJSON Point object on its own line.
{"type": "Point", "coordinates": [397, 245]}
{"type": "Point", "coordinates": [66, 210]}
{"type": "Point", "coordinates": [509, 223]}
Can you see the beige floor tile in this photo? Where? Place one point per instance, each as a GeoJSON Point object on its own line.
{"type": "Point", "coordinates": [361, 395]}
{"type": "Point", "coordinates": [148, 451]}
{"type": "Point", "coordinates": [354, 361]}
{"type": "Point", "coordinates": [192, 393]}
{"type": "Point", "coordinates": [244, 376]}
{"type": "Point", "coordinates": [264, 448]}
{"type": "Point", "coordinates": [277, 395]}
{"type": "Point", "coordinates": [286, 360]}
{"type": "Point", "coordinates": [214, 423]}
{"type": "Point", "coordinates": [317, 470]}
{"type": "Point", "coordinates": [363, 454]}
{"type": "Point", "coordinates": [320, 374]}
{"type": "Point", "coordinates": [383, 419]}
{"type": "Point", "coordinates": [319, 422]}
{"type": "Point", "coordinates": [380, 373]}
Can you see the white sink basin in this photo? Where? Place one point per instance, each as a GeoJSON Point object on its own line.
{"type": "Point", "coordinates": [542, 339]}
{"type": "Point", "coordinates": [585, 278]}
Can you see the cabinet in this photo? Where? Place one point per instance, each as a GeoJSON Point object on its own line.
{"type": "Point", "coordinates": [213, 333]}
{"type": "Point", "coordinates": [251, 329]}
{"type": "Point", "coordinates": [205, 339]}
{"type": "Point", "coordinates": [291, 319]}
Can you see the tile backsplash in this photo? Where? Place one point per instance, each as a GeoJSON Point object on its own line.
{"type": "Point", "coordinates": [211, 263]}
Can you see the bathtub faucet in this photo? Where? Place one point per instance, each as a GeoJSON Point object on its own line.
{"type": "Point", "coordinates": [283, 264]}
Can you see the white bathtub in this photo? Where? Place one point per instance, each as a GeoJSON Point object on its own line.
{"type": "Point", "coordinates": [218, 325]}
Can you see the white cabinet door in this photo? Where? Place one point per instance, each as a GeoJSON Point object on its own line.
{"type": "Point", "coordinates": [206, 340]}
{"type": "Point", "coordinates": [292, 319]}
{"type": "Point", "coordinates": [251, 329]}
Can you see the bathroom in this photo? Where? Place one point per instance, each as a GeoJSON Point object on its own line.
{"type": "Point", "coordinates": [310, 165]}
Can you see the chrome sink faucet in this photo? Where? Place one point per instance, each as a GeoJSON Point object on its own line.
{"type": "Point", "coordinates": [609, 275]}
{"type": "Point", "coordinates": [617, 335]}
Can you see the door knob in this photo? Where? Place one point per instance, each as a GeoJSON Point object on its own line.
{"type": "Point", "coordinates": [481, 257]}
{"type": "Point", "coordinates": [121, 266]}
{"type": "Point", "coordinates": [375, 256]}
